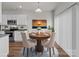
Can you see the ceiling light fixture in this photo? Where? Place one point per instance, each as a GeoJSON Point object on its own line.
{"type": "Point", "coordinates": [20, 6]}
{"type": "Point", "coordinates": [38, 9]}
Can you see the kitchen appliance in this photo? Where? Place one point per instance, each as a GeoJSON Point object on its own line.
{"type": "Point", "coordinates": [11, 22]}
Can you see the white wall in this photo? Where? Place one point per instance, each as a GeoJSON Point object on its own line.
{"type": "Point", "coordinates": [63, 6]}
{"type": "Point", "coordinates": [46, 16]}
{"type": "Point", "coordinates": [0, 12]}
{"type": "Point", "coordinates": [29, 16]}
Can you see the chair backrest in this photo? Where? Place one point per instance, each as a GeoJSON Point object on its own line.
{"type": "Point", "coordinates": [43, 30]}
{"type": "Point", "coordinates": [27, 34]}
{"type": "Point", "coordinates": [25, 42]}
{"type": "Point", "coordinates": [52, 39]}
{"type": "Point", "coordinates": [34, 30]}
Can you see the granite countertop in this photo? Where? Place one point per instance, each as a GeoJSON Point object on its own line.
{"type": "Point", "coordinates": [2, 35]}
{"type": "Point", "coordinates": [15, 30]}
{"type": "Point", "coordinates": [21, 29]}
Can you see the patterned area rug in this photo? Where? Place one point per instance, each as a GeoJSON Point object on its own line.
{"type": "Point", "coordinates": [33, 54]}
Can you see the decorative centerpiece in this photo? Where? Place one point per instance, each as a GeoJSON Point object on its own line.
{"type": "Point", "coordinates": [39, 28]}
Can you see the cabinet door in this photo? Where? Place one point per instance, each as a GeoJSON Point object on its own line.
{"type": "Point", "coordinates": [4, 19]}
{"type": "Point", "coordinates": [8, 17]}
{"type": "Point", "coordinates": [22, 20]}
{"type": "Point", "coordinates": [0, 12]}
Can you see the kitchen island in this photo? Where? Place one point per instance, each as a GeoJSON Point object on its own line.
{"type": "Point", "coordinates": [14, 34]}
{"type": "Point", "coordinates": [4, 45]}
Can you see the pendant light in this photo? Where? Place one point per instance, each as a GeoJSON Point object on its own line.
{"type": "Point", "coordinates": [38, 10]}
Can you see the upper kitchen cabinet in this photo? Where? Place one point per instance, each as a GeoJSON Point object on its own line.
{"type": "Point", "coordinates": [0, 12]}
{"type": "Point", "coordinates": [6, 18]}
{"type": "Point", "coordinates": [21, 20]}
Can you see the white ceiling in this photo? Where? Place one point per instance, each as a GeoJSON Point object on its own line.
{"type": "Point", "coordinates": [28, 6]}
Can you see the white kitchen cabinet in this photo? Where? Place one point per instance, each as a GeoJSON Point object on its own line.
{"type": "Point", "coordinates": [21, 20]}
{"type": "Point", "coordinates": [0, 12]}
{"type": "Point", "coordinates": [8, 17]}
{"type": "Point", "coordinates": [4, 19]}
{"type": "Point", "coordinates": [2, 32]}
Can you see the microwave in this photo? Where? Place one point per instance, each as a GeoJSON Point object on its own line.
{"type": "Point", "coordinates": [11, 22]}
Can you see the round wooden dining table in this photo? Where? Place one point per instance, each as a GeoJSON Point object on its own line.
{"type": "Point", "coordinates": [39, 37]}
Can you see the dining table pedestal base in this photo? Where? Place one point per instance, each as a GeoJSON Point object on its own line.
{"type": "Point", "coordinates": [39, 47]}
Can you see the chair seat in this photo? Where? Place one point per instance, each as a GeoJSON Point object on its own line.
{"type": "Point", "coordinates": [48, 45]}
{"type": "Point", "coordinates": [45, 42]}
{"type": "Point", "coordinates": [30, 44]}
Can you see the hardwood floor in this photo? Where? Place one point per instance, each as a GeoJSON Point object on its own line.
{"type": "Point", "coordinates": [15, 49]}
{"type": "Point", "coordinates": [61, 52]}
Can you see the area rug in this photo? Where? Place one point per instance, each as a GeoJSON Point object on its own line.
{"type": "Point", "coordinates": [33, 54]}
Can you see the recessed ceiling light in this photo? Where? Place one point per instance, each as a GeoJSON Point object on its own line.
{"type": "Point", "coordinates": [20, 6]}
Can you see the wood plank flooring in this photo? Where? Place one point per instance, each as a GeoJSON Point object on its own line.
{"type": "Point", "coordinates": [15, 49]}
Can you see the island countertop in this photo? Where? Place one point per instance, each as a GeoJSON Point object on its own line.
{"type": "Point", "coordinates": [2, 35]}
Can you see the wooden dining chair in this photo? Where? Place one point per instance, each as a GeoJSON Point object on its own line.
{"type": "Point", "coordinates": [27, 43]}
{"type": "Point", "coordinates": [49, 44]}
